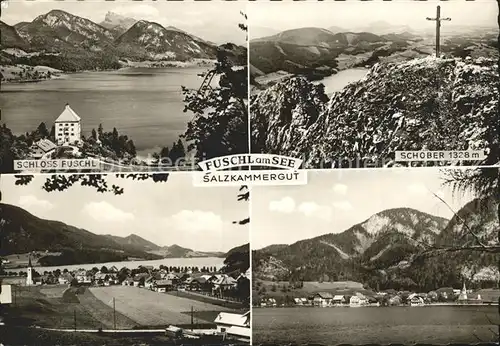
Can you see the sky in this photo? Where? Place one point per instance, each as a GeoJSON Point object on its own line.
{"type": "Point", "coordinates": [356, 14]}
{"type": "Point", "coordinates": [195, 18]}
{"type": "Point", "coordinates": [333, 201]}
{"type": "Point", "coordinates": [174, 212]}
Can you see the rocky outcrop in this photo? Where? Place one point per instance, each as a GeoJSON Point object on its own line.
{"type": "Point", "coordinates": [281, 115]}
{"type": "Point", "coordinates": [428, 103]}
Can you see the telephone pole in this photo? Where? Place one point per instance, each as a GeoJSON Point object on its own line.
{"type": "Point", "coordinates": [114, 314]}
{"type": "Point", "coordinates": [74, 318]}
{"type": "Point", "coordinates": [438, 20]}
{"type": "Point", "coordinates": [192, 322]}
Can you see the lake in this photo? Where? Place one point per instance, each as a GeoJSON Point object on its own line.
{"type": "Point", "coordinates": [175, 262]}
{"type": "Point", "coordinates": [340, 80]}
{"type": "Point", "coordinates": [144, 103]}
{"type": "Point", "coordinates": [375, 325]}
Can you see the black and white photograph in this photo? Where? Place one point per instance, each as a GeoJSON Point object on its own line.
{"type": "Point", "coordinates": [346, 84]}
{"type": "Point", "coordinates": [379, 256]}
{"type": "Point", "coordinates": [136, 86]}
{"type": "Point", "coordinates": [123, 260]}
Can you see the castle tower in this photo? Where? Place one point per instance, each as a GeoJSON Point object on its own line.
{"type": "Point", "coordinates": [68, 127]}
{"type": "Point", "coordinates": [29, 277]}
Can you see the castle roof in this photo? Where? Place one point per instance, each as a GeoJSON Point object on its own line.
{"type": "Point", "coordinates": [68, 115]}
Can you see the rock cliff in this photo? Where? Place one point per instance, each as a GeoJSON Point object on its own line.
{"type": "Point", "coordinates": [427, 103]}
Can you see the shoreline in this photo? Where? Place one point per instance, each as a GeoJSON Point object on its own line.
{"type": "Point", "coordinates": [151, 64]}
{"type": "Point", "coordinates": [21, 267]}
{"type": "Point", "coordinates": [381, 306]}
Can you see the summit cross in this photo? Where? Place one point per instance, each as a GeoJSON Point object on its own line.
{"type": "Point", "coordinates": [438, 20]}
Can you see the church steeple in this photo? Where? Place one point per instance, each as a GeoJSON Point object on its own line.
{"type": "Point", "coordinates": [29, 274]}
{"type": "Point", "coordinates": [463, 293]}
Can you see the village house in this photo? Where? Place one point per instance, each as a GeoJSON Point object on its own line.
{"type": "Point", "coordinates": [224, 283]}
{"type": "Point", "coordinates": [162, 286]}
{"type": "Point", "coordinates": [128, 282]}
{"type": "Point", "coordinates": [68, 129]}
{"type": "Point", "coordinates": [300, 301]}
{"type": "Point", "coordinates": [48, 279]}
{"type": "Point", "coordinates": [268, 302]}
{"type": "Point", "coordinates": [105, 279]}
{"type": "Point", "coordinates": [200, 284]}
{"type": "Point", "coordinates": [65, 279]}
{"type": "Point", "coordinates": [172, 276]}
{"type": "Point", "coordinates": [338, 299]}
{"type": "Point", "coordinates": [83, 277]}
{"type": "Point", "coordinates": [322, 299]}
{"type": "Point", "coordinates": [150, 280]}
{"type": "Point", "coordinates": [41, 148]}
{"type": "Point", "coordinates": [416, 300]}
{"type": "Point", "coordinates": [358, 300]}
{"type": "Point", "coordinates": [139, 279]}
{"type": "Point", "coordinates": [163, 273]}
{"type": "Point", "coordinates": [234, 325]}
{"type": "Point", "coordinates": [209, 277]}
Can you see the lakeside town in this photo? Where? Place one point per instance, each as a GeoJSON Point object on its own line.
{"type": "Point", "coordinates": [368, 298]}
{"type": "Point", "coordinates": [196, 303]}
{"type": "Point", "coordinates": [206, 280]}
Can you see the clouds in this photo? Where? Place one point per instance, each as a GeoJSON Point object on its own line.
{"type": "Point", "coordinates": [284, 205]}
{"type": "Point", "coordinates": [288, 205]}
{"type": "Point", "coordinates": [139, 11]}
{"type": "Point", "coordinates": [322, 210]}
{"type": "Point", "coordinates": [343, 205]}
{"type": "Point", "coordinates": [196, 221]}
{"type": "Point", "coordinates": [106, 212]}
{"type": "Point", "coordinates": [315, 210]}
{"type": "Point", "coordinates": [32, 202]}
{"type": "Point", "coordinates": [340, 189]}
{"type": "Point", "coordinates": [418, 188]}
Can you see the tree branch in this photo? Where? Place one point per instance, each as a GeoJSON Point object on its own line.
{"type": "Point", "coordinates": [469, 230]}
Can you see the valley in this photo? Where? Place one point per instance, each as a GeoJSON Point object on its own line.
{"type": "Point", "coordinates": [53, 243]}
{"type": "Point", "coordinates": [317, 53]}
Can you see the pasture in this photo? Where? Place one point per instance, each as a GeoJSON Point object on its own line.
{"type": "Point", "coordinates": [56, 306]}
{"type": "Point", "coordinates": [148, 308]}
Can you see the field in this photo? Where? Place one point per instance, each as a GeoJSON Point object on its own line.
{"type": "Point", "coordinates": [150, 308]}
{"type": "Point", "coordinates": [21, 260]}
{"type": "Point", "coordinates": [210, 300]}
{"type": "Point", "coordinates": [56, 306]}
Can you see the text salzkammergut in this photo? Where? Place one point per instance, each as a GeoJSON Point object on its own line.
{"type": "Point", "coordinates": [248, 177]}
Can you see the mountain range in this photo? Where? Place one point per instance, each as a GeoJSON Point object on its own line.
{"type": "Point", "coordinates": [319, 52]}
{"type": "Point", "coordinates": [385, 245]}
{"type": "Point", "coordinates": [23, 232]}
{"type": "Point", "coordinates": [68, 42]}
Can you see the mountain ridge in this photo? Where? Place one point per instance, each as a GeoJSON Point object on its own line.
{"type": "Point", "coordinates": [70, 43]}
{"type": "Point", "coordinates": [23, 232]}
{"type": "Point", "coordinates": [354, 255]}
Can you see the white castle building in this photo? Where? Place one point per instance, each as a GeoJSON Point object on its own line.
{"type": "Point", "coordinates": [68, 128]}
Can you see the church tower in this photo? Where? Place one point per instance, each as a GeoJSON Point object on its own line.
{"type": "Point", "coordinates": [29, 277]}
{"type": "Point", "coordinates": [463, 293]}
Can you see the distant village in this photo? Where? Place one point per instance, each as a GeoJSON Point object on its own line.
{"type": "Point", "coordinates": [390, 297]}
{"type": "Point", "coordinates": [206, 281]}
